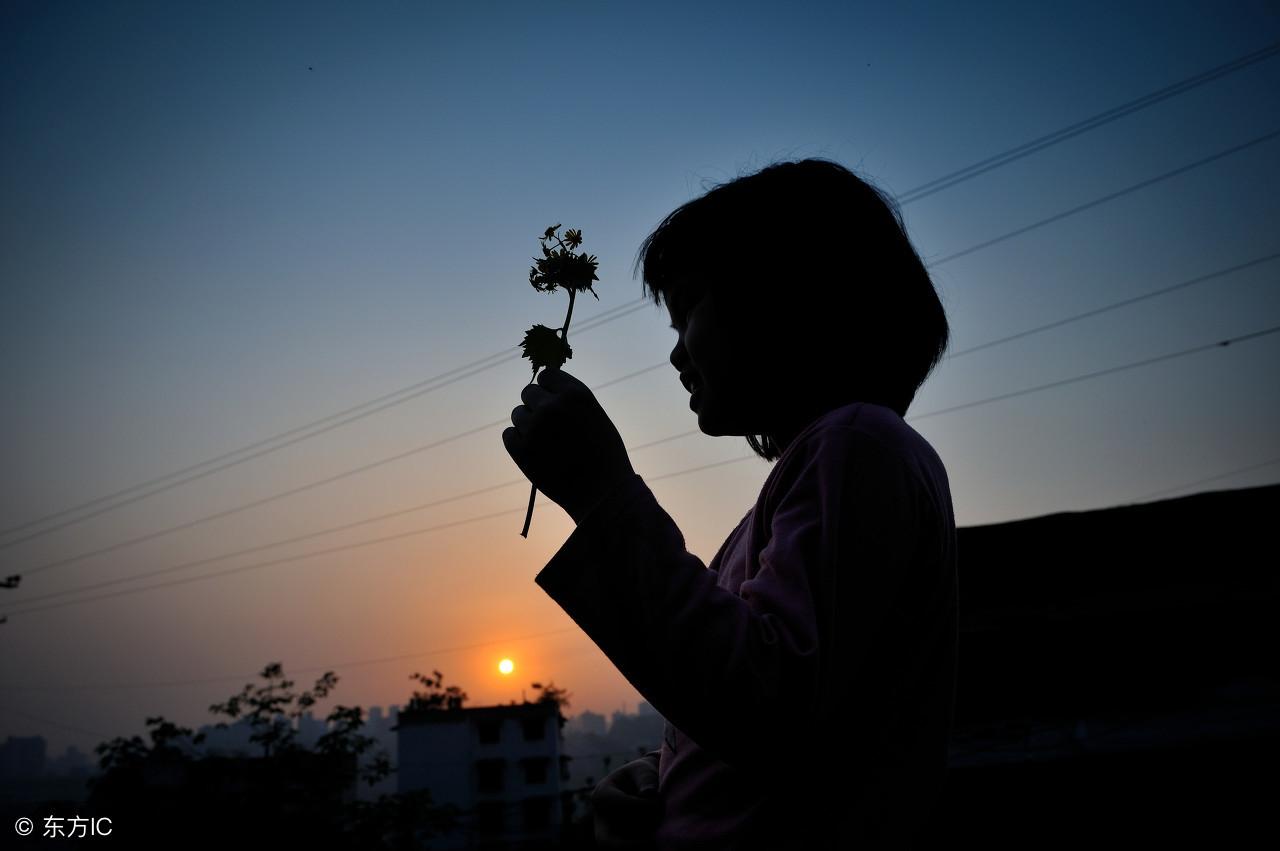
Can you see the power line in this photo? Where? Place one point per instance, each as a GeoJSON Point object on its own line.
{"type": "Point", "coordinates": [294, 435]}
{"type": "Point", "coordinates": [937, 185]}
{"type": "Point", "coordinates": [946, 181]}
{"type": "Point", "coordinates": [1269, 462]}
{"type": "Point", "coordinates": [150, 536]}
{"type": "Point", "coordinates": [358, 663]}
{"type": "Point", "coordinates": [1200, 279]}
{"type": "Point", "coordinates": [460, 648]}
{"type": "Point", "coordinates": [307, 536]}
{"type": "Point", "coordinates": [1111, 197]}
{"type": "Point", "coordinates": [340, 548]}
{"type": "Point", "coordinates": [423, 506]}
{"type": "Point", "coordinates": [1099, 373]}
{"type": "Point", "coordinates": [345, 547]}
{"type": "Point", "coordinates": [399, 456]}
{"type": "Point", "coordinates": [69, 727]}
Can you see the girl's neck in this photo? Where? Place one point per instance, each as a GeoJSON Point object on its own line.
{"type": "Point", "coordinates": [784, 433]}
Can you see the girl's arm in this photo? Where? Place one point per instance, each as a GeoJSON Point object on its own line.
{"type": "Point", "coordinates": [720, 665]}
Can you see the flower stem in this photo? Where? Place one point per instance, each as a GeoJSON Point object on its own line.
{"type": "Point", "coordinates": [564, 332]}
{"type": "Point", "coordinates": [533, 489]}
{"type": "Point", "coordinates": [528, 516]}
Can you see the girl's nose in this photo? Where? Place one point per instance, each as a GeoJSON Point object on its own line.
{"type": "Point", "coordinates": [679, 357]}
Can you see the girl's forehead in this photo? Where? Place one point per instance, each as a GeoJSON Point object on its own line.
{"type": "Point", "coordinates": [682, 294]}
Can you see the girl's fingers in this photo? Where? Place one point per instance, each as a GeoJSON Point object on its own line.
{"type": "Point", "coordinates": [522, 419]}
{"type": "Point", "coordinates": [532, 394]}
{"type": "Point", "coordinates": [513, 441]}
{"type": "Point", "coordinates": [557, 380]}
{"type": "Point", "coordinates": [638, 778]}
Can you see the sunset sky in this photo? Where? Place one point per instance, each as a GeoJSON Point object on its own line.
{"type": "Point", "coordinates": [220, 222]}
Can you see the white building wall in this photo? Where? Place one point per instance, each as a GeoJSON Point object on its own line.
{"type": "Point", "coordinates": [446, 758]}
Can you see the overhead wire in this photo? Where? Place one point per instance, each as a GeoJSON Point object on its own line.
{"type": "Point", "coordinates": [931, 187]}
{"type": "Point", "coordinates": [278, 441]}
{"type": "Point", "coordinates": [1099, 373]}
{"type": "Point", "coordinates": [1199, 279]}
{"type": "Point", "coordinates": [337, 667]}
{"type": "Point", "coordinates": [1017, 152]}
{"type": "Point", "coordinates": [340, 548]}
{"type": "Point", "coordinates": [1267, 463]}
{"type": "Point", "coordinates": [401, 535]}
{"type": "Point", "coordinates": [399, 456]}
{"type": "Point", "coordinates": [1235, 149]}
{"type": "Point", "coordinates": [40, 720]}
{"type": "Point", "coordinates": [460, 648]}
{"type": "Point", "coordinates": [636, 448]}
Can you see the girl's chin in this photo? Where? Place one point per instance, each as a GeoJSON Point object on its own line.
{"type": "Point", "coordinates": [710, 425]}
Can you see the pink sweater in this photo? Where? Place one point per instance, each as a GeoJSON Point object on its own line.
{"type": "Point", "coordinates": [807, 673]}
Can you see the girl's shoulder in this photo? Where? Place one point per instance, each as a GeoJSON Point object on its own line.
{"type": "Point", "coordinates": [859, 426]}
{"type": "Point", "coordinates": [863, 419]}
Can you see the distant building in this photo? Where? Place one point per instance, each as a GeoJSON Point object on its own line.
{"type": "Point", "coordinates": [596, 752]}
{"type": "Point", "coordinates": [22, 757]}
{"type": "Point", "coordinates": [588, 722]}
{"type": "Point", "coordinates": [504, 767]}
{"type": "Point", "coordinates": [231, 740]}
{"type": "Point", "coordinates": [28, 776]}
{"type": "Point", "coordinates": [640, 732]}
{"type": "Point", "coordinates": [380, 726]}
{"type": "Point", "coordinates": [310, 729]}
{"type": "Point", "coordinates": [72, 763]}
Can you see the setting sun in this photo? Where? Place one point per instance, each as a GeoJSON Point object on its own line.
{"type": "Point", "coordinates": [506, 667]}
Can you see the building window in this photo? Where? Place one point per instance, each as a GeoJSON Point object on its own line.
{"type": "Point", "coordinates": [489, 773]}
{"type": "Point", "coordinates": [537, 813]}
{"type": "Point", "coordinates": [535, 771]}
{"type": "Point", "coordinates": [490, 732]}
{"type": "Point", "coordinates": [535, 729]}
{"type": "Point", "coordinates": [489, 817]}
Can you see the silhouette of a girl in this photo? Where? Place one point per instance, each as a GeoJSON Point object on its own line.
{"type": "Point", "coordinates": [807, 673]}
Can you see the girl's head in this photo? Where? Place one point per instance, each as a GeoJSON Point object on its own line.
{"type": "Point", "coordinates": [793, 291]}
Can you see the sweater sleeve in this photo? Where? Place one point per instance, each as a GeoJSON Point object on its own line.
{"type": "Point", "coordinates": [719, 665]}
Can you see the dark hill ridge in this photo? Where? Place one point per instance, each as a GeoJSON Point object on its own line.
{"type": "Point", "coordinates": [1226, 539]}
{"type": "Point", "coordinates": [1118, 681]}
{"type": "Point", "coordinates": [1124, 607]}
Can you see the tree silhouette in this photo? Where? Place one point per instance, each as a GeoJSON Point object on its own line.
{"type": "Point", "coordinates": [290, 794]}
{"type": "Point", "coordinates": [551, 694]}
{"type": "Point", "coordinates": [265, 707]}
{"type": "Point", "coordinates": [436, 695]}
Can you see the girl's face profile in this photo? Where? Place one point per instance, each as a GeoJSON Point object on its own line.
{"type": "Point", "coordinates": [714, 361]}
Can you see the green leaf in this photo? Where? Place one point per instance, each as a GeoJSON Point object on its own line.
{"type": "Point", "coordinates": [544, 348]}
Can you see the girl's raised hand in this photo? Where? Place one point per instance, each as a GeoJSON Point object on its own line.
{"type": "Point", "coordinates": [626, 807]}
{"type": "Point", "coordinates": [565, 443]}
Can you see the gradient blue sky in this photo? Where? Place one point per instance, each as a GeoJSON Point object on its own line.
{"type": "Point", "coordinates": [219, 221]}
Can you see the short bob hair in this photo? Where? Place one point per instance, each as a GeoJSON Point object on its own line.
{"type": "Point", "coordinates": [820, 258]}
